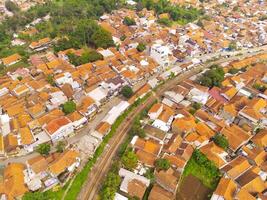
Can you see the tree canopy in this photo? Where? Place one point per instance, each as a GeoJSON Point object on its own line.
{"type": "Point", "coordinates": [110, 186]}
{"type": "Point", "coordinates": [44, 149]}
{"type": "Point", "coordinates": [128, 21]}
{"type": "Point", "coordinates": [181, 14]}
{"type": "Point", "coordinates": [162, 164]}
{"type": "Point", "coordinates": [127, 91]}
{"type": "Point", "coordinates": [69, 107]}
{"type": "Point", "coordinates": [129, 160]}
{"type": "Point", "coordinates": [86, 57]}
{"type": "Point", "coordinates": [141, 47]}
{"type": "Point", "coordinates": [212, 77]}
{"type": "Point", "coordinates": [221, 141]}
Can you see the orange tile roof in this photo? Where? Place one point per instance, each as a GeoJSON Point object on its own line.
{"type": "Point", "coordinates": [226, 188]}
{"type": "Point", "coordinates": [236, 167]}
{"type": "Point", "coordinates": [36, 109]}
{"type": "Point", "coordinates": [55, 124]}
{"type": "Point", "coordinates": [75, 116]}
{"type": "Point", "coordinates": [50, 116]}
{"type": "Point", "coordinates": [26, 136]}
{"type": "Point", "coordinates": [185, 124]}
{"type": "Point", "coordinates": [24, 119]}
{"type": "Point", "coordinates": [38, 164]}
{"type": "Point", "coordinates": [103, 128]}
{"type": "Point", "coordinates": [10, 59]}
{"type": "Point", "coordinates": [158, 192]}
{"type": "Point", "coordinates": [65, 160]}
{"type": "Point", "coordinates": [260, 138]}
{"type": "Point", "coordinates": [13, 184]}
{"type": "Point", "coordinates": [146, 158]}
{"type": "Point", "coordinates": [15, 109]}
{"type": "Point", "coordinates": [203, 130]}
{"type": "Point", "coordinates": [244, 194]}
{"type": "Point", "coordinates": [212, 152]}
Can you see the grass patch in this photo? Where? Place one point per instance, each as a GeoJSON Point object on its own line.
{"type": "Point", "coordinates": [202, 168]}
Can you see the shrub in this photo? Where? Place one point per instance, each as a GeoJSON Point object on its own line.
{"type": "Point", "coordinates": [128, 21]}
{"type": "Point", "coordinates": [141, 47]}
{"type": "Point", "coordinates": [221, 141]}
{"type": "Point", "coordinates": [162, 164]}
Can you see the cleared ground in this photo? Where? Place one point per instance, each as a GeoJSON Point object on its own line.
{"type": "Point", "coordinates": [191, 188]}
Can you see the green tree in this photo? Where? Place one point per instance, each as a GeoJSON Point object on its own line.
{"type": "Point", "coordinates": [141, 47]}
{"type": "Point", "coordinates": [102, 38]}
{"type": "Point", "coordinates": [11, 6]}
{"type": "Point", "coordinates": [44, 149]}
{"type": "Point", "coordinates": [221, 141]}
{"type": "Point", "coordinates": [196, 105]}
{"type": "Point", "coordinates": [136, 129]}
{"type": "Point", "coordinates": [110, 186]}
{"type": "Point", "coordinates": [232, 46]}
{"type": "Point", "coordinates": [259, 87]}
{"type": "Point", "coordinates": [162, 164]}
{"type": "Point", "coordinates": [128, 21]}
{"type": "Point", "coordinates": [60, 146]}
{"type": "Point", "coordinates": [233, 70]}
{"type": "Point", "coordinates": [123, 37]}
{"type": "Point", "coordinates": [127, 91]}
{"type": "Point", "coordinates": [19, 78]}
{"type": "Point", "coordinates": [69, 107]}
{"type": "Point", "coordinates": [50, 80]}
{"type": "Point", "coordinates": [212, 77]}
{"type": "Point", "coordinates": [129, 160]}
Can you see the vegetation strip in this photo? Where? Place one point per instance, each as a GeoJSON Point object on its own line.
{"type": "Point", "coordinates": [127, 159]}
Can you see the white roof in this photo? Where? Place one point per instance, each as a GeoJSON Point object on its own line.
{"type": "Point", "coordinates": [153, 82]}
{"type": "Point", "coordinates": [128, 177]}
{"type": "Point", "coordinates": [106, 53]}
{"type": "Point", "coordinates": [119, 197]}
{"type": "Point", "coordinates": [115, 112]}
{"type": "Point", "coordinates": [97, 94]}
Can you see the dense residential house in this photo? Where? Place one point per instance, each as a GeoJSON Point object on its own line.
{"type": "Point", "coordinates": [40, 45]}
{"type": "Point", "coordinates": [158, 192]}
{"type": "Point", "coordinates": [147, 151]}
{"type": "Point", "coordinates": [102, 129]}
{"type": "Point", "coordinates": [167, 179]}
{"type": "Point", "coordinates": [164, 120]}
{"type": "Point", "coordinates": [160, 54]}
{"type": "Point", "coordinates": [214, 153]}
{"type": "Point", "coordinates": [5, 124]}
{"type": "Point", "coordinates": [226, 189]}
{"type": "Point", "coordinates": [87, 107]}
{"type": "Point", "coordinates": [36, 170]}
{"type": "Point", "coordinates": [13, 183]}
{"type": "Point", "coordinates": [253, 113]}
{"type": "Point", "coordinates": [78, 120]}
{"type": "Point", "coordinates": [56, 99]}
{"type": "Point", "coordinates": [66, 162]}
{"type": "Point", "coordinates": [155, 111]}
{"type": "Point", "coordinates": [132, 184]}
{"type": "Point", "coordinates": [59, 128]}
{"type": "Point", "coordinates": [11, 60]}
